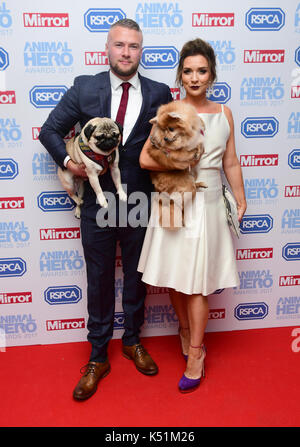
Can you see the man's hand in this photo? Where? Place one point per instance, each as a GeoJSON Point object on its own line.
{"type": "Point", "coordinates": [77, 169]}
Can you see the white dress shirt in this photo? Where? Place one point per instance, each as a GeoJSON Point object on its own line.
{"type": "Point", "coordinates": [134, 104]}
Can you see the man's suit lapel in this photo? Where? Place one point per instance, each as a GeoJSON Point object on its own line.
{"type": "Point", "coordinates": [105, 96]}
{"type": "Point", "coordinates": [146, 94]}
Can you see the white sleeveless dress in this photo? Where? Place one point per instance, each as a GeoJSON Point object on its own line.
{"type": "Point", "coordinates": [199, 257]}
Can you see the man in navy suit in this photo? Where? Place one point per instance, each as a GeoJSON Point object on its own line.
{"type": "Point", "coordinates": [89, 97]}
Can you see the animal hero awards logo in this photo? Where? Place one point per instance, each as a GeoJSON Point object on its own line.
{"type": "Point", "coordinates": [225, 53]}
{"type": "Point", "coordinates": [44, 167]}
{"type": "Point", "coordinates": [261, 191]}
{"type": "Point", "coordinates": [159, 17]}
{"type": "Point", "coordinates": [61, 263]}
{"type": "Point", "coordinates": [290, 221]}
{"type": "Point", "coordinates": [254, 282]}
{"type": "Point", "coordinates": [160, 316]}
{"type": "Point", "coordinates": [18, 326]}
{"type": "Point", "coordinates": [48, 57]}
{"type": "Point", "coordinates": [14, 234]}
{"type": "Point", "coordinates": [261, 91]}
{"type": "Point", "coordinates": [288, 307]}
{"type": "Point", "coordinates": [10, 132]}
{"type": "Point", "coordinates": [293, 126]}
{"type": "Point", "coordinates": [5, 20]}
{"type": "Point", "coordinates": [297, 19]}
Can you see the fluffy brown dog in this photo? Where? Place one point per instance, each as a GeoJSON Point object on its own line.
{"type": "Point", "coordinates": [177, 143]}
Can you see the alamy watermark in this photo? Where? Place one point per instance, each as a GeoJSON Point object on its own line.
{"type": "Point", "coordinates": [175, 209]}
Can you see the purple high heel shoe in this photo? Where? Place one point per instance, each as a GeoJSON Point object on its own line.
{"type": "Point", "coordinates": [187, 385]}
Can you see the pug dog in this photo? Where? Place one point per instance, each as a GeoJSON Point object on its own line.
{"type": "Point", "coordinates": [97, 147]}
{"type": "Point", "coordinates": [176, 139]}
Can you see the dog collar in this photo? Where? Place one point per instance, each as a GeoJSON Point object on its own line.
{"type": "Point", "coordinates": [103, 160]}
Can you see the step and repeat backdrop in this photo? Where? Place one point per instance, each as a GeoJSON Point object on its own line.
{"type": "Point", "coordinates": [43, 46]}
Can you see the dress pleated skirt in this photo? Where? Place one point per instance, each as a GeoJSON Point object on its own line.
{"type": "Point", "coordinates": [199, 257]}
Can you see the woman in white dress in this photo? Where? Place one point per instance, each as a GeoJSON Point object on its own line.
{"type": "Point", "coordinates": [198, 259]}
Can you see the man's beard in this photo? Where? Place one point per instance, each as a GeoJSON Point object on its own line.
{"type": "Point", "coordinates": [125, 72]}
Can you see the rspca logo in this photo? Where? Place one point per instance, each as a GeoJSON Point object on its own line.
{"type": "Point", "coordinates": [290, 221]}
{"type": "Point", "coordinates": [259, 223]}
{"type": "Point", "coordinates": [99, 20]}
{"type": "Point", "coordinates": [294, 159]}
{"type": "Point", "coordinates": [55, 201]}
{"type": "Point", "coordinates": [159, 15]}
{"type": "Point", "coordinates": [293, 128]}
{"type": "Point", "coordinates": [225, 53]}
{"type": "Point", "coordinates": [251, 311]}
{"type": "Point", "coordinates": [261, 188]}
{"type": "Point", "coordinates": [220, 92]}
{"type": "Point", "coordinates": [265, 19]}
{"type": "Point", "coordinates": [9, 130]}
{"type": "Point", "coordinates": [119, 320]}
{"type": "Point", "coordinates": [47, 54]}
{"type": "Point", "coordinates": [44, 96]}
{"type": "Point", "coordinates": [259, 127]}
{"type": "Point", "coordinates": [291, 251]}
{"type": "Point", "coordinates": [4, 59]}
{"type": "Point", "coordinates": [62, 295]}
{"type": "Point", "coordinates": [10, 267]}
{"type": "Point", "coordinates": [159, 57]}
{"type": "Point", "coordinates": [8, 169]}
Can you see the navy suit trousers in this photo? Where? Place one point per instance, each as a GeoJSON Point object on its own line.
{"type": "Point", "coordinates": [99, 245]}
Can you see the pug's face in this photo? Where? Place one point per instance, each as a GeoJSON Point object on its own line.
{"type": "Point", "coordinates": [102, 135]}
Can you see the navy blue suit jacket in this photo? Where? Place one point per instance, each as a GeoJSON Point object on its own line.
{"type": "Point", "coordinates": [89, 97]}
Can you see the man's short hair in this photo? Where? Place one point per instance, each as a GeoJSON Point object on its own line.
{"type": "Point", "coordinates": [127, 23]}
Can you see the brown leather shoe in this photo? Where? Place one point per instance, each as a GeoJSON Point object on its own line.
{"type": "Point", "coordinates": [87, 385]}
{"type": "Point", "coordinates": [141, 358]}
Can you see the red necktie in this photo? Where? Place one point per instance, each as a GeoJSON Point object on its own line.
{"type": "Point", "coordinates": [123, 104]}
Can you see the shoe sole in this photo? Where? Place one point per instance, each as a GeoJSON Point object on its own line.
{"type": "Point", "coordinates": [147, 373]}
{"type": "Point", "coordinates": [94, 391]}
